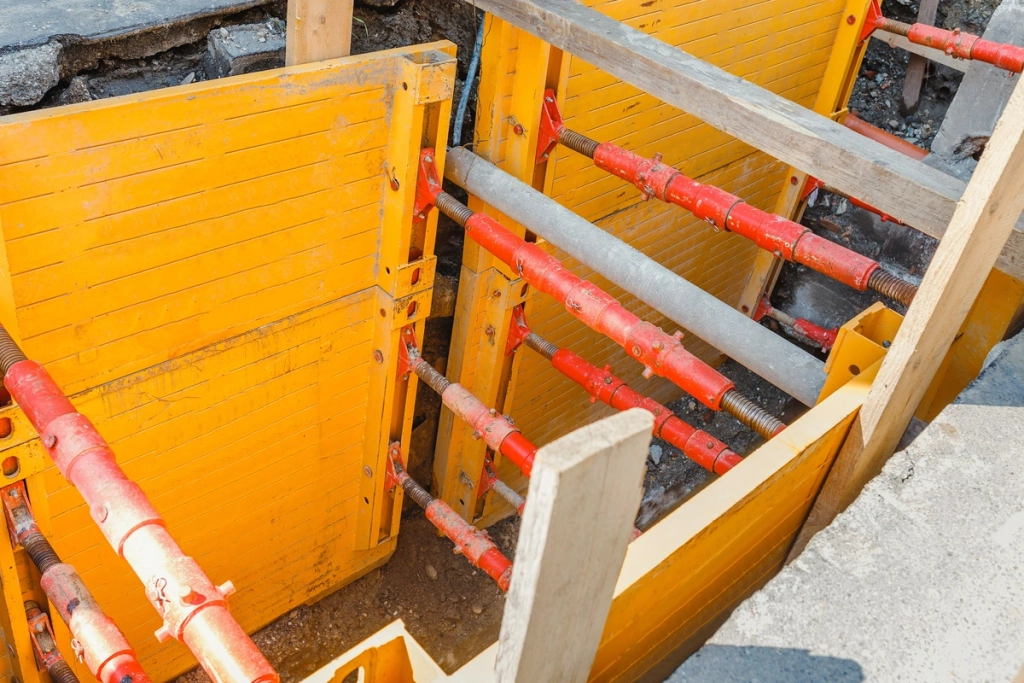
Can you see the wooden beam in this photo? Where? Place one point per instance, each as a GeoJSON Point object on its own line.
{"type": "Point", "coordinates": [902, 187]}
{"type": "Point", "coordinates": [929, 53]}
{"type": "Point", "coordinates": [916, 66]}
{"type": "Point", "coordinates": [983, 220]}
{"type": "Point", "coordinates": [318, 30]}
{"type": "Point", "coordinates": [584, 494]}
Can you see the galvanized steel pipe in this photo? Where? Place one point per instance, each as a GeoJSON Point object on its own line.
{"type": "Point", "coordinates": [793, 370]}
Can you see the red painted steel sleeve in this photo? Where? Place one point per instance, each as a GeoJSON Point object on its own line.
{"type": "Point", "coordinates": [474, 544]}
{"type": "Point", "coordinates": [661, 354]}
{"type": "Point", "coordinates": [697, 445]}
{"type": "Point", "coordinates": [194, 609]}
{"type": "Point", "coordinates": [968, 46]}
{"type": "Point", "coordinates": [785, 238]}
{"type": "Point", "coordinates": [500, 435]}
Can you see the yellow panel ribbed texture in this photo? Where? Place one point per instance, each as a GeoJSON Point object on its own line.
{"type": "Point", "coordinates": [202, 270]}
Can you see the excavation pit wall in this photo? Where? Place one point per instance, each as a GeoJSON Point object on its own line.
{"type": "Point", "coordinates": [218, 274]}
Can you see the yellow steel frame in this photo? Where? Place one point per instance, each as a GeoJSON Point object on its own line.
{"type": "Point", "coordinates": [219, 274]}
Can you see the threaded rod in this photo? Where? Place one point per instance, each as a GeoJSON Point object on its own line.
{"type": "Point", "coordinates": [888, 285]}
{"type": "Point", "coordinates": [10, 353]}
{"type": "Point", "coordinates": [434, 379]}
{"type": "Point", "coordinates": [453, 208]}
{"type": "Point", "coordinates": [541, 345]}
{"type": "Point", "coordinates": [578, 142]}
{"type": "Point", "coordinates": [39, 549]}
{"type": "Point", "coordinates": [892, 26]}
{"type": "Point", "coordinates": [60, 672]}
{"type": "Point", "coordinates": [412, 487]}
{"type": "Point", "coordinates": [752, 415]}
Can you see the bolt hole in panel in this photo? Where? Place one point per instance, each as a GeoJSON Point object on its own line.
{"type": "Point", "coordinates": [200, 268]}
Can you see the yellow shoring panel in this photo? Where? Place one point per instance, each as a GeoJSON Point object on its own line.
{"type": "Point", "coordinates": [219, 274]}
{"type": "Point", "coordinates": [781, 45]}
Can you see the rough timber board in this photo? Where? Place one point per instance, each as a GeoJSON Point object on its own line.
{"type": "Point", "coordinates": [253, 429]}
{"type": "Point", "coordinates": [782, 46]}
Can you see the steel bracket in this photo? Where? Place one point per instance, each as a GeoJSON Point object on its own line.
{"type": "Point", "coordinates": [550, 126]}
{"type": "Point", "coordinates": [428, 185]}
{"type": "Point", "coordinates": [518, 330]}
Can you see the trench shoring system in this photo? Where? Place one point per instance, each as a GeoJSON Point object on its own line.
{"type": "Point", "coordinates": [214, 299]}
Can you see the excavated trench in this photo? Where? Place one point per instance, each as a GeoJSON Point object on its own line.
{"type": "Point", "coordinates": [453, 610]}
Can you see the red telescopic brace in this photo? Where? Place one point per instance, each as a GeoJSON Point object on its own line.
{"type": "Point", "coordinates": [817, 334]}
{"type": "Point", "coordinates": [784, 238]}
{"type": "Point", "coordinates": [602, 385]}
{"type": "Point", "coordinates": [474, 544]}
{"type": "Point", "coordinates": [954, 43]}
{"type": "Point", "coordinates": [495, 429]}
{"type": "Point", "coordinates": [194, 610]}
{"type": "Point", "coordinates": [660, 353]}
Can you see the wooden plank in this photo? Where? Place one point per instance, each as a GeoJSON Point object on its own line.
{"type": "Point", "coordinates": [907, 189]}
{"type": "Point", "coordinates": [930, 53]}
{"type": "Point", "coordinates": [917, 64]}
{"type": "Point", "coordinates": [318, 30]}
{"type": "Point", "coordinates": [584, 494]}
{"type": "Point", "coordinates": [983, 221]}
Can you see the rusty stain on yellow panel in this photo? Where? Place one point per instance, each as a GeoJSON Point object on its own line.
{"type": "Point", "coordinates": [218, 274]}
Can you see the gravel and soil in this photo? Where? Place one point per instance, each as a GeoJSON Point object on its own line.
{"type": "Point", "coordinates": [453, 610]}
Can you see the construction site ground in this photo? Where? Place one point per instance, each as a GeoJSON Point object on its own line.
{"type": "Point", "coordinates": [452, 610]}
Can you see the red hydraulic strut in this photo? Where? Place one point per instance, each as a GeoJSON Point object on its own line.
{"type": "Point", "coordinates": [954, 43]}
{"type": "Point", "coordinates": [474, 544]}
{"type": "Point", "coordinates": [97, 639]}
{"type": "Point", "coordinates": [804, 328]}
{"type": "Point", "coordinates": [781, 236]}
{"type": "Point", "coordinates": [660, 353]}
{"type": "Point", "coordinates": [601, 384]}
{"type": "Point", "coordinates": [496, 430]}
{"type": "Point", "coordinates": [194, 610]}
{"type": "Point", "coordinates": [813, 184]}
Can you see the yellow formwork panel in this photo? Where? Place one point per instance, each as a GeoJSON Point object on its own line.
{"type": "Point", "coordinates": [218, 275]}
